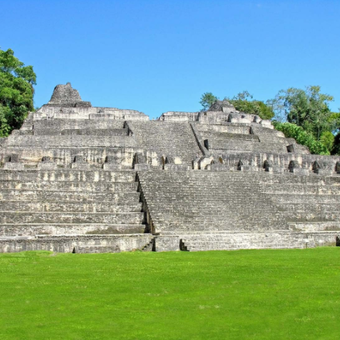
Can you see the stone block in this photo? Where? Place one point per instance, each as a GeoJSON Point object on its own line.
{"type": "Point", "coordinates": [325, 172]}
{"type": "Point", "coordinates": [267, 124]}
{"type": "Point", "coordinates": [142, 167]}
{"type": "Point", "coordinates": [300, 171]}
{"type": "Point", "coordinates": [14, 158]}
{"type": "Point", "coordinates": [80, 166]}
{"type": "Point", "coordinates": [14, 166]}
{"type": "Point", "coordinates": [176, 167]}
{"type": "Point", "coordinates": [219, 167]}
{"type": "Point", "coordinates": [112, 166]}
{"type": "Point", "coordinates": [248, 168]}
{"type": "Point", "coordinates": [167, 243]}
{"type": "Point", "coordinates": [47, 166]}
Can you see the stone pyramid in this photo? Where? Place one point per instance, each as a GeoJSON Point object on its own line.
{"type": "Point", "coordinates": [77, 178]}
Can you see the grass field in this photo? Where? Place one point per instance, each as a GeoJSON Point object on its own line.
{"type": "Point", "coordinates": [249, 294]}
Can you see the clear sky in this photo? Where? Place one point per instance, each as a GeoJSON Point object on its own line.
{"type": "Point", "coordinates": [162, 55]}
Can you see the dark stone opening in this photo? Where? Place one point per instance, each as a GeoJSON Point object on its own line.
{"type": "Point", "coordinates": [74, 250]}
{"type": "Point", "coordinates": [182, 246]}
{"type": "Point", "coordinates": [206, 144]}
{"type": "Point", "coordinates": [337, 241]}
{"type": "Point", "coordinates": [147, 229]}
{"type": "Point", "coordinates": [290, 148]}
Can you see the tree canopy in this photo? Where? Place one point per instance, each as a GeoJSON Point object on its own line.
{"type": "Point", "coordinates": [309, 109]}
{"type": "Point", "coordinates": [242, 102]}
{"type": "Point", "coordinates": [304, 115]}
{"type": "Point", "coordinates": [207, 99]}
{"type": "Point", "coordinates": [16, 91]}
{"type": "Point", "coordinates": [302, 137]}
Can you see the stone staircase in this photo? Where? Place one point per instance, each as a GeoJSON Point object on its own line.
{"type": "Point", "coordinates": [77, 178]}
{"type": "Point", "coordinates": [238, 210]}
{"type": "Point", "coordinates": [242, 240]}
{"type": "Point", "coordinates": [306, 200]}
{"type": "Point", "coordinates": [235, 240]}
{"type": "Point", "coordinates": [208, 201]}
{"type": "Point", "coordinates": [69, 203]}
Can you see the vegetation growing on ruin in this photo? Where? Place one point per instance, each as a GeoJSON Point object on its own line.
{"type": "Point", "coordinates": [301, 114]}
{"type": "Point", "coordinates": [302, 137]}
{"type": "Point", "coordinates": [309, 110]}
{"type": "Point", "coordinates": [242, 102]}
{"type": "Point", "coordinates": [16, 92]}
{"type": "Point", "coordinates": [248, 294]}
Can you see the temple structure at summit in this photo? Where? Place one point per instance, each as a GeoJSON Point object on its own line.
{"type": "Point", "coordinates": [84, 179]}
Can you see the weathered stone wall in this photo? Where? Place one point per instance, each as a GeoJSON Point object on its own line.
{"type": "Point", "coordinates": [92, 113]}
{"type": "Point", "coordinates": [236, 200]}
{"type": "Point", "coordinates": [166, 139]}
{"type": "Point", "coordinates": [256, 240]}
{"type": "Point", "coordinates": [78, 178]}
{"type": "Point", "coordinates": [77, 244]}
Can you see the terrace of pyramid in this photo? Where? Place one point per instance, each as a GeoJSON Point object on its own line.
{"type": "Point", "coordinates": [83, 179]}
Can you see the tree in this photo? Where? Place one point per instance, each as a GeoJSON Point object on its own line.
{"type": "Point", "coordinates": [336, 145]}
{"type": "Point", "coordinates": [16, 91]}
{"type": "Point", "coordinates": [242, 102]}
{"type": "Point", "coordinates": [207, 99]}
{"type": "Point", "coordinates": [306, 108]}
{"type": "Point", "coordinates": [302, 137]}
{"type": "Point", "coordinates": [327, 139]}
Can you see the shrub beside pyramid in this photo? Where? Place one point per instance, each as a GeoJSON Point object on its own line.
{"type": "Point", "coordinates": [77, 178]}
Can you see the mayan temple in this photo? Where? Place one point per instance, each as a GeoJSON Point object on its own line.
{"type": "Point", "coordinates": [84, 179]}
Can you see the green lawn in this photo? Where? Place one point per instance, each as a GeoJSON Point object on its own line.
{"type": "Point", "coordinates": [248, 294]}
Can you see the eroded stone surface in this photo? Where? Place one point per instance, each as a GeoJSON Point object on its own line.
{"type": "Point", "coordinates": [78, 178]}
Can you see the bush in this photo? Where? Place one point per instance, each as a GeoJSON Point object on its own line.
{"type": "Point", "coordinates": [302, 137]}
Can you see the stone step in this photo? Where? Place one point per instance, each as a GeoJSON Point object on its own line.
{"type": "Point", "coordinates": [32, 229]}
{"type": "Point", "coordinates": [93, 249]}
{"type": "Point", "coordinates": [67, 175]}
{"type": "Point", "coordinates": [69, 243]}
{"type": "Point", "coordinates": [72, 141]}
{"type": "Point", "coordinates": [120, 197]}
{"type": "Point", "coordinates": [302, 198]}
{"type": "Point", "coordinates": [81, 124]}
{"type": "Point", "coordinates": [216, 226]}
{"type": "Point", "coordinates": [228, 247]}
{"type": "Point", "coordinates": [315, 226]}
{"type": "Point", "coordinates": [277, 192]}
{"type": "Point", "coordinates": [60, 206]}
{"type": "Point", "coordinates": [215, 233]}
{"type": "Point", "coordinates": [70, 186]}
{"type": "Point", "coordinates": [9, 217]}
{"type": "Point", "coordinates": [308, 206]}
{"type": "Point", "coordinates": [81, 132]}
{"type": "Point", "coordinates": [256, 241]}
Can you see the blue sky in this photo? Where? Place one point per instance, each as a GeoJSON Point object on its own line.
{"type": "Point", "coordinates": [156, 56]}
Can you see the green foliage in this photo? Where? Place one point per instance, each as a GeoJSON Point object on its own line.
{"type": "Point", "coordinates": [16, 91]}
{"type": "Point", "coordinates": [327, 139]}
{"type": "Point", "coordinates": [207, 99]}
{"type": "Point", "coordinates": [336, 145]}
{"type": "Point", "coordinates": [334, 120]}
{"type": "Point", "coordinates": [4, 127]}
{"type": "Point", "coordinates": [302, 137]}
{"type": "Point", "coordinates": [245, 294]}
{"type": "Point", "coordinates": [243, 102]}
{"type": "Point", "coordinates": [306, 108]}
